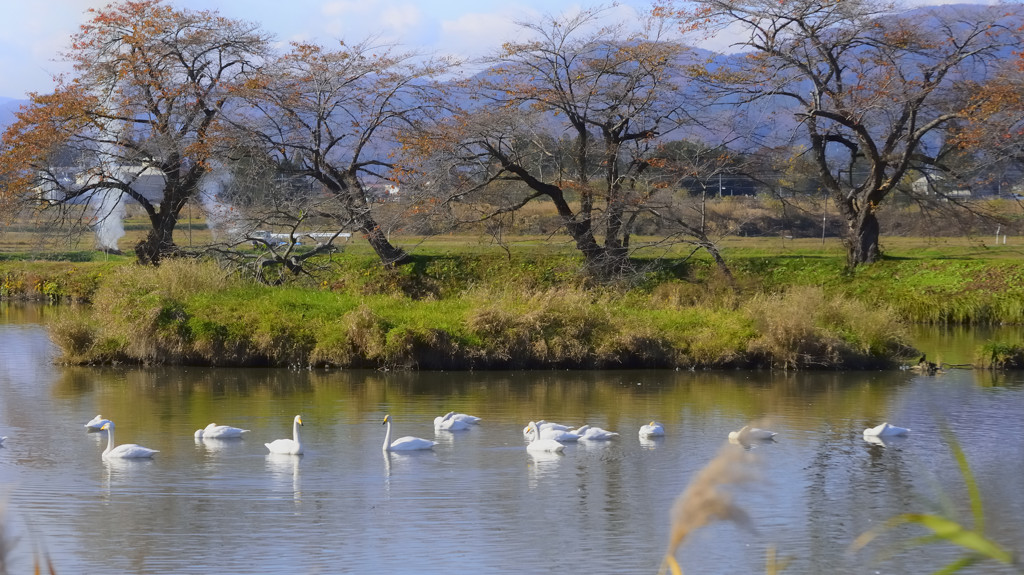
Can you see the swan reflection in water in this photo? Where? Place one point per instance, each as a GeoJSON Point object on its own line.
{"type": "Point", "coordinates": [885, 441]}
{"type": "Point", "coordinates": [217, 445]}
{"type": "Point", "coordinates": [127, 472]}
{"type": "Point", "coordinates": [284, 466]}
{"type": "Point", "coordinates": [543, 465]}
{"type": "Point", "coordinates": [651, 442]}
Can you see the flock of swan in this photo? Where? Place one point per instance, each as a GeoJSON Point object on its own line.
{"type": "Point", "coordinates": [543, 436]}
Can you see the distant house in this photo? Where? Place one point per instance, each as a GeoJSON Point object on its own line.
{"type": "Point", "coordinates": [939, 185]}
{"type": "Point", "coordinates": [145, 180]}
{"type": "Point", "coordinates": [382, 192]}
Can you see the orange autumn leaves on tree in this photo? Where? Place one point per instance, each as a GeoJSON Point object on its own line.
{"type": "Point", "coordinates": [148, 91]}
{"type": "Point", "coordinates": [995, 114]}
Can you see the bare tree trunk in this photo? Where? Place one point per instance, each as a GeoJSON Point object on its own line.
{"type": "Point", "coordinates": [389, 254]}
{"type": "Point", "coordinates": [159, 242]}
{"type": "Point", "coordinates": [862, 243]}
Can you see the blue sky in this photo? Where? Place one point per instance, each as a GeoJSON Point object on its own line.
{"type": "Point", "coordinates": [34, 32]}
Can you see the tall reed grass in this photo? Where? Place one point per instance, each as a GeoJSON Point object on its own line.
{"type": "Point", "coordinates": [976, 544]}
{"type": "Point", "coordinates": [803, 327]}
{"type": "Point", "coordinates": [709, 499]}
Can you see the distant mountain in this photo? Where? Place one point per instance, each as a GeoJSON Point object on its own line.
{"type": "Point", "coordinates": [8, 106]}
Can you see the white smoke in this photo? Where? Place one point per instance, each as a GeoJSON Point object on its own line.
{"type": "Point", "coordinates": [108, 213]}
{"type": "Point", "coordinates": [108, 204]}
{"type": "Point", "coordinates": [221, 217]}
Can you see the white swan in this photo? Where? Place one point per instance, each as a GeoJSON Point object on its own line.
{"type": "Point", "coordinates": [542, 425]}
{"type": "Point", "coordinates": [590, 433]}
{"type": "Point", "coordinates": [747, 434]}
{"type": "Point", "coordinates": [470, 419]}
{"type": "Point", "coordinates": [286, 446]}
{"type": "Point", "coordinates": [652, 429]}
{"type": "Point", "coordinates": [886, 430]}
{"type": "Point", "coordinates": [96, 423]}
{"type": "Point", "coordinates": [539, 444]}
{"type": "Point", "coordinates": [560, 435]}
{"type": "Point", "coordinates": [214, 431]}
{"type": "Point", "coordinates": [407, 443]}
{"type": "Point", "coordinates": [124, 451]}
{"type": "Point", "coordinates": [448, 422]}
{"type": "Point", "coordinates": [875, 440]}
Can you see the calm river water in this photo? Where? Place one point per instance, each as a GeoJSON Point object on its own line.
{"type": "Point", "coordinates": [479, 503]}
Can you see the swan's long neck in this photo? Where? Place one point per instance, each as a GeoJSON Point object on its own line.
{"type": "Point", "coordinates": [295, 432]}
{"type": "Point", "coordinates": [387, 436]}
{"type": "Point", "coordinates": [110, 438]}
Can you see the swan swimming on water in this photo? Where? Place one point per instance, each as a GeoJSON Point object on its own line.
{"type": "Point", "coordinates": [407, 443]}
{"type": "Point", "coordinates": [542, 425]}
{"type": "Point", "coordinates": [96, 423]}
{"type": "Point", "coordinates": [448, 422]}
{"type": "Point", "coordinates": [590, 433]}
{"type": "Point", "coordinates": [470, 419]}
{"type": "Point", "coordinates": [126, 450]}
{"type": "Point", "coordinates": [886, 430]}
{"type": "Point", "coordinates": [214, 431]}
{"type": "Point", "coordinates": [747, 434]}
{"type": "Point", "coordinates": [652, 429]}
{"type": "Point", "coordinates": [540, 444]}
{"type": "Point", "coordinates": [560, 435]}
{"type": "Point", "coordinates": [291, 446]}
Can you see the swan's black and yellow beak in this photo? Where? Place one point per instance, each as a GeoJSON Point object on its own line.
{"type": "Point", "coordinates": [386, 417]}
{"type": "Point", "coordinates": [299, 420]}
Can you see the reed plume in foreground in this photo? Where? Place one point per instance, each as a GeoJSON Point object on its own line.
{"type": "Point", "coordinates": [708, 498]}
{"type": "Point", "coordinates": [7, 543]}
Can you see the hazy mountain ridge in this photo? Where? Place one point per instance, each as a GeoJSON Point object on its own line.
{"type": "Point", "coordinates": [8, 106]}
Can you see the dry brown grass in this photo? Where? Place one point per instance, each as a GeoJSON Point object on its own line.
{"type": "Point", "coordinates": [805, 328]}
{"type": "Point", "coordinates": [709, 499]}
{"type": "Point", "coordinates": [553, 327]}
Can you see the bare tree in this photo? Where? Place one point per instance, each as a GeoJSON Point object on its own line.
{"type": "Point", "coordinates": [143, 109]}
{"type": "Point", "coordinates": [572, 116]}
{"type": "Point", "coordinates": [875, 93]}
{"type": "Point", "coordinates": [332, 116]}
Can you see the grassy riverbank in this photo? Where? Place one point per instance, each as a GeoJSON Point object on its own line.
{"type": "Point", "coordinates": [466, 306]}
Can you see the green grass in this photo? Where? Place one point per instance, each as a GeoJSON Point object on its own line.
{"type": "Point", "coordinates": [195, 313]}
{"type": "Point", "coordinates": [464, 304]}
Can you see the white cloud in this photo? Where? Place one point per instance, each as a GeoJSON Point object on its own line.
{"type": "Point", "coordinates": [401, 19]}
{"type": "Point", "coordinates": [477, 34]}
{"type": "Point", "coordinates": [344, 8]}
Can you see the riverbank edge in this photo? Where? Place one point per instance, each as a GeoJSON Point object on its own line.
{"type": "Point", "coordinates": [458, 313]}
